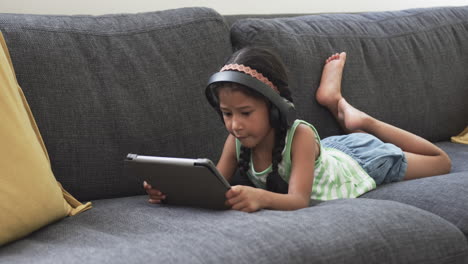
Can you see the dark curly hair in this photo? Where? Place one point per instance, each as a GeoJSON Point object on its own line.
{"type": "Point", "coordinates": [271, 66]}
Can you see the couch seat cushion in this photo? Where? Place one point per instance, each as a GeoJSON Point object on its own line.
{"type": "Point", "coordinates": [341, 231]}
{"type": "Point", "coordinates": [444, 195]}
{"type": "Point", "coordinates": [458, 153]}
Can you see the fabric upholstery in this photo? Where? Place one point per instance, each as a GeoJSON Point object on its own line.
{"type": "Point", "coordinates": [129, 230]}
{"type": "Point", "coordinates": [458, 153]}
{"type": "Point", "coordinates": [407, 68]}
{"type": "Point", "coordinates": [106, 86]}
{"type": "Point", "coordinates": [30, 197]}
{"type": "Point", "coordinates": [444, 195]}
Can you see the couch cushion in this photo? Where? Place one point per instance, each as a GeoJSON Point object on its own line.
{"type": "Point", "coordinates": [341, 231]}
{"type": "Point", "coordinates": [444, 195]}
{"type": "Point", "coordinates": [30, 197]}
{"type": "Point", "coordinates": [407, 68]}
{"type": "Point", "coordinates": [105, 86]}
{"type": "Point", "coordinates": [458, 154]}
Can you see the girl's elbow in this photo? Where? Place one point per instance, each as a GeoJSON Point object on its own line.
{"type": "Point", "coordinates": [305, 204]}
{"type": "Point", "coordinates": [302, 202]}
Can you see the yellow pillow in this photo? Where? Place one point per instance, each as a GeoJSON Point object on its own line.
{"type": "Point", "coordinates": [461, 138]}
{"type": "Point", "coordinates": [30, 197]}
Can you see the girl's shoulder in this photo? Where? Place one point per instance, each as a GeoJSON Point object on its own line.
{"type": "Point", "coordinates": [301, 126]}
{"type": "Point", "coordinates": [303, 135]}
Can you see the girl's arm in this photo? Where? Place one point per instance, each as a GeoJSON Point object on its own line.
{"type": "Point", "coordinates": [228, 162]}
{"type": "Point", "coordinates": [304, 151]}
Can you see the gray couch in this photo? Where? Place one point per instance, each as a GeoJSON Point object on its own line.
{"type": "Point", "coordinates": [101, 87]}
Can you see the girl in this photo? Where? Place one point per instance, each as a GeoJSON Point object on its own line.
{"type": "Point", "coordinates": [287, 161]}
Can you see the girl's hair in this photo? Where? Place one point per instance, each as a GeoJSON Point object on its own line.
{"type": "Point", "coordinates": [271, 66]}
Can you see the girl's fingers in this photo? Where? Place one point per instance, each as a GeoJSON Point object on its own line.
{"type": "Point", "coordinates": [154, 192]}
{"type": "Point", "coordinates": [155, 196]}
{"type": "Point", "coordinates": [158, 197]}
{"type": "Point", "coordinates": [239, 205]}
{"type": "Point", "coordinates": [235, 200]}
{"type": "Point", "coordinates": [151, 191]}
{"type": "Point", "coordinates": [146, 185]}
{"type": "Point", "coordinates": [154, 201]}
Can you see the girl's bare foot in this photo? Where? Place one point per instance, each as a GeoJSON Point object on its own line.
{"type": "Point", "coordinates": [351, 119]}
{"type": "Point", "coordinates": [329, 95]}
{"type": "Point", "coordinates": [329, 91]}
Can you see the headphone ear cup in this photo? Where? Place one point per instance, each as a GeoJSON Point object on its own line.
{"type": "Point", "coordinates": [290, 117]}
{"type": "Point", "coordinates": [289, 103]}
{"type": "Point", "coordinates": [275, 117]}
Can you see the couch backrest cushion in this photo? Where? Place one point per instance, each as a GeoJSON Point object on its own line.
{"type": "Point", "coordinates": [104, 86]}
{"type": "Point", "coordinates": [29, 194]}
{"type": "Point", "coordinates": [408, 68]}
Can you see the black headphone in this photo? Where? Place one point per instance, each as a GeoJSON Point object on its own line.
{"type": "Point", "coordinates": [283, 112]}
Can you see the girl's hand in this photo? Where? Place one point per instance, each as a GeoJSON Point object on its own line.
{"type": "Point", "coordinates": [155, 196]}
{"type": "Point", "coordinates": [244, 198]}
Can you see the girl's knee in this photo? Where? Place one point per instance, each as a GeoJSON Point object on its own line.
{"type": "Point", "coordinates": [446, 163]}
{"type": "Point", "coordinates": [420, 166]}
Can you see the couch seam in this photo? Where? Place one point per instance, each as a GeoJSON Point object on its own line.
{"type": "Point", "coordinates": [439, 12]}
{"type": "Point", "coordinates": [365, 19]}
{"type": "Point", "coordinates": [450, 259]}
{"type": "Point", "coordinates": [117, 33]}
{"type": "Point", "coordinates": [353, 36]}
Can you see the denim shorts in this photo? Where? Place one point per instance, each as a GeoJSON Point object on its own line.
{"type": "Point", "coordinates": [383, 162]}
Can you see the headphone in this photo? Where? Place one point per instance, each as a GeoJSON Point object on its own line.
{"type": "Point", "coordinates": [282, 111]}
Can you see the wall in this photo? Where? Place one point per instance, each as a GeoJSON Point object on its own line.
{"type": "Point", "coordinates": [98, 7]}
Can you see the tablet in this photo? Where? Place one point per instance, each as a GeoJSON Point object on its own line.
{"type": "Point", "coordinates": [185, 182]}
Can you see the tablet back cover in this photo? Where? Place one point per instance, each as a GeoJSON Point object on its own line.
{"type": "Point", "coordinates": [185, 183]}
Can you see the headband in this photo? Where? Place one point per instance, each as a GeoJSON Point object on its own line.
{"type": "Point", "coordinates": [251, 72]}
{"type": "Point", "coordinates": [287, 112]}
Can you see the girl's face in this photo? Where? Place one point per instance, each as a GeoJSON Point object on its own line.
{"type": "Point", "coordinates": [246, 118]}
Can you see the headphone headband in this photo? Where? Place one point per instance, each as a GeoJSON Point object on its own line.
{"type": "Point", "coordinates": [252, 72]}
{"type": "Point", "coordinates": [286, 108]}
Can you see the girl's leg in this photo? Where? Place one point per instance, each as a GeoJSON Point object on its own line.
{"type": "Point", "coordinates": [424, 158]}
{"type": "Point", "coordinates": [329, 92]}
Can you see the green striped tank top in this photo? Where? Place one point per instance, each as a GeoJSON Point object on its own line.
{"type": "Point", "coordinates": [336, 174]}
